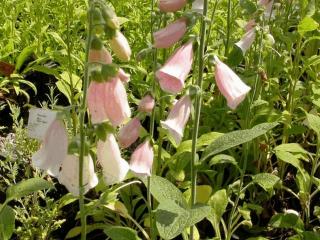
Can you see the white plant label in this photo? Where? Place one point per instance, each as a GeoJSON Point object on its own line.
{"type": "Point", "coordinates": [39, 121]}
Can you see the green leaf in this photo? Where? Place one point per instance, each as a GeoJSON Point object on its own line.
{"type": "Point", "coordinates": [203, 193]}
{"type": "Point", "coordinates": [76, 231]}
{"type": "Point", "coordinates": [257, 238]}
{"type": "Point", "coordinates": [218, 203]}
{"type": "Point", "coordinates": [308, 235]}
{"type": "Point", "coordinates": [290, 158]}
{"type": "Point", "coordinates": [266, 180]}
{"type": "Point", "coordinates": [65, 84]}
{"type": "Point", "coordinates": [23, 56]}
{"type": "Point", "coordinates": [172, 219]}
{"type": "Point", "coordinates": [163, 190]}
{"type": "Point", "coordinates": [307, 25]}
{"type": "Point", "coordinates": [314, 122]}
{"type": "Point", "coordinates": [223, 158]}
{"type": "Point", "coordinates": [236, 138]}
{"type": "Point", "coordinates": [287, 220]}
{"type": "Point", "coordinates": [27, 187]}
{"type": "Point", "coordinates": [121, 233]}
{"type": "Point", "coordinates": [291, 147]}
{"type": "Point", "coordinates": [7, 223]}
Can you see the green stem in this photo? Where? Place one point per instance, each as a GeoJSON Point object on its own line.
{"type": "Point", "coordinates": [152, 121]}
{"type": "Point", "coordinates": [228, 28]}
{"type": "Point", "coordinates": [82, 130]}
{"type": "Point", "coordinates": [69, 10]}
{"type": "Point", "coordinates": [198, 102]}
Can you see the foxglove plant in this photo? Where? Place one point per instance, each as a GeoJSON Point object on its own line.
{"type": "Point", "coordinates": [129, 133]}
{"type": "Point", "coordinates": [142, 159]}
{"type": "Point", "coordinates": [173, 73]}
{"type": "Point", "coordinates": [178, 118]}
{"type": "Point", "coordinates": [53, 150]}
{"type": "Point", "coordinates": [101, 56]}
{"type": "Point", "coordinates": [146, 104]}
{"type": "Point", "coordinates": [120, 46]}
{"type": "Point", "coordinates": [171, 5]}
{"type": "Point", "coordinates": [69, 174]}
{"type": "Point", "coordinates": [171, 34]}
{"type": "Point", "coordinates": [230, 85]}
{"type": "Point", "coordinates": [247, 40]}
{"type": "Point", "coordinates": [115, 168]}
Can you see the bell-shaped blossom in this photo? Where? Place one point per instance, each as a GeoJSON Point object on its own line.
{"type": "Point", "coordinates": [116, 102]}
{"type": "Point", "coordinates": [270, 39]}
{"type": "Point", "coordinates": [178, 118]}
{"type": "Point", "coordinates": [129, 133]}
{"type": "Point", "coordinates": [123, 76]}
{"type": "Point", "coordinates": [246, 41]}
{"type": "Point", "coordinates": [115, 168]}
{"type": "Point", "coordinates": [172, 75]}
{"type": "Point", "coordinates": [119, 44]}
{"type": "Point", "coordinates": [142, 159]}
{"type": "Point", "coordinates": [100, 56]}
{"type": "Point", "coordinates": [171, 5]}
{"type": "Point", "coordinates": [69, 174]}
{"type": "Point", "coordinates": [172, 33]}
{"type": "Point", "coordinates": [197, 6]}
{"type": "Point", "coordinates": [267, 4]}
{"type": "Point", "coordinates": [96, 99]}
{"type": "Point", "coordinates": [250, 24]}
{"type": "Point", "coordinates": [53, 150]}
{"type": "Point", "coordinates": [146, 104]}
{"type": "Point", "coordinates": [229, 84]}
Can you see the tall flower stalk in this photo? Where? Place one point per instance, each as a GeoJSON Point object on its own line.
{"type": "Point", "coordinates": [198, 103]}
{"type": "Point", "coordinates": [82, 129]}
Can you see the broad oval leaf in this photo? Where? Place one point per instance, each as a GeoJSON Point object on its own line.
{"type": "Point", "coordinates": [7, 222]}
{"type": "Point", "coordinates": [163, 190]}
{"type": "Point", "coordinates": [121, 233]}
{"type": "Point", "coordinates": [172, 219]}
{"type": "Point", "coordinates": [266, 180]}
{"type": "Point", "coordinates": [27, 187]}
{"type": "Point", "coordinates": [236, 138]}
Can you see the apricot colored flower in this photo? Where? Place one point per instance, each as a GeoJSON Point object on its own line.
{"type": "Point", "coordinates": [230, 85]}
{"type": "Point", "coordinates": [129, 133]}
{"type": "Point", "coordinates": [146, 104]}
{"type": "Point", "coordinates": [142, 159]}
{"type": "Point", "coordinates": [178, 118]}
{"type": "Point", "coordinates": [69, 174]}
{"type": "Point", "coordinates": [53, 150]}
{"type": "Point", "coordinates": [119, 44]}
{"type": "Point", "coordinates": [171, 5]}
{"type": "Point", "coordinates": [114, 167]}
{"type": "Point", "coordinates": [171, 34]}
{"type": "Point", "coordinates": [173, 73]}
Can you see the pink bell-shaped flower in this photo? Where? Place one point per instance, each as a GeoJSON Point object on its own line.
{"type": "Point", "coordinates": [171, 5]}
{"type": "Point", "coordinates": [178, 118]}
{"type": "Point", "coordinates": [197, 6]}
{"type": "Point", "coordinates": [119, 44]}
{"type": "Point", "coordinates": [142, 159]}
{"type": "Point", "coordinates": [250, 24]}
{"type": "Point", "coordinates": [115, 168]}
{"type": "Point", "coordinates": [116, 102]}
{"type": "Point", "coordinates": [96, 99]}
{"type": "Point", "coordinates": [172, 33]}
{"type": "Point", "coordinates": [146, 104]}
{"type": "Point", "coordinates": [172, 75]}
{"type": "Point", "coordinates": [100, 56]}
{"type": "Point", "coordinates": [129, 133]}
{"type": "Point", "coordinates": [123, 76]}
{"type": "Point", "coordinates": [267, 4]}
{"type": "Point", "coordinates": [230, 85]}
{"type": "Point", "coordinates": [69, 174]}
{"type": "Point", "coordinates": [53, 150]}
{"type": "Point", "coordinates": [246, 41]}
